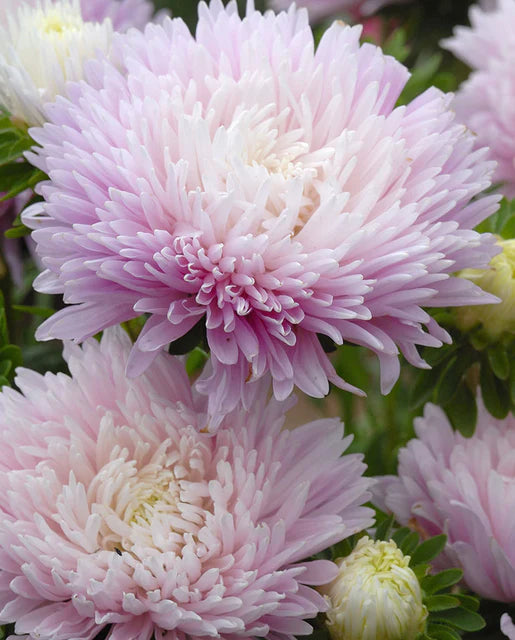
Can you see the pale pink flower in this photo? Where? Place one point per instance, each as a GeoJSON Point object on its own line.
{"type": "Point", "coordinates": [116, 510]}
{"type": "Point", "coordinates": [272, 192]}
{"type": "Point", "coordinates": [486, 101]}
{"type": "Point", "coordinates": [320, 9]}
{"type": "Point", "coordinates": [465, 488]}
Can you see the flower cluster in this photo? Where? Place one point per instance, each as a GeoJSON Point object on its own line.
{"type": "Point", "coordinates": [268, 195]}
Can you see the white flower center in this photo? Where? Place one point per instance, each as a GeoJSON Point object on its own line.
{"type": "Point", "coordinates": [159, 504]}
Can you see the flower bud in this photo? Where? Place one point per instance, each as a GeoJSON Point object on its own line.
{"type": "Point", "coordinates": [376, 596]}
{"type": "Point", "coordinates": [499, 280]}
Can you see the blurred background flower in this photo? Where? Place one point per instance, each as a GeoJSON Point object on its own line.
{"type": "Point", "coordinates": [486, 100]}
{"type": "Point", "coordinates": [465, 488]}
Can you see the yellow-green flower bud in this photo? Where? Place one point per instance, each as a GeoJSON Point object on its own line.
{"type": "Point", "coordinates": [376, 596]}
{"type": "Point", "coordinates": [499, 280]}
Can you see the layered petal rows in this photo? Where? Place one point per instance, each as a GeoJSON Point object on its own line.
{"type": "Point", "coordinates": [116, 512]}
{"type": "Point", "coordinates": [244, 181]}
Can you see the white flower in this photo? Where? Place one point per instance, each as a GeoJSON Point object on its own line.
{"type": "Point", "coordinates": [376, 596]}
{"type": "Point", "coordinates": [43, 47]}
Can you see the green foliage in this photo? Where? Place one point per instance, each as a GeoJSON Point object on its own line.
{"type": "Point", "coordinates": [10, 355]}
{"type": "Point", "coordinates": [502, 222]}
{"type": "Point", "coordinates": [16, 174]}
{"type": "Point", "coordinates": [470, 361]}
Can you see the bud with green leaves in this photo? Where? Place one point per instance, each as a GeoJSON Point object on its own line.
{"type": "Point", "coordinates": [376, 595]}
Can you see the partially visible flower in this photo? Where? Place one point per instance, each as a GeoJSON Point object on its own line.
{"type": "Point", "coordinates": [376, 595]}
{"type": "Point", "coordinates": [507, 626]}
{"type": "Point", "coordinates": [244, 181]}
{"type": "Point", "coordinates": [41, 49]}
{"type": "Point", "coordinates": [465, 488]}
{"type": "Point", "coordinates": [498, 280]}
{"type": "Point", "coordinates": [320, 9]}
{"type": "Point", "coordinates": [117, 510]}
{"type": "Point", "coordinates": [122, 13]}
{"type": "Point", "coordinates": [486, 101]}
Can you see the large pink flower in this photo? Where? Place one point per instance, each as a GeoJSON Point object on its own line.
{"type": "Point", "coordinates": [116, 510]}
{"type": "Point", "coordinates": [486, 101]}
{"type": "Point", "coordinates": [465, 488]}
{"type": "Point", "coordinates": [272, 192]}
{"type": "Point", "coordinates": [319, 9]}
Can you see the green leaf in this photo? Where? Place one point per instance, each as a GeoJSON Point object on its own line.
{"type": "Point", "coordinates": [396, 45]}
{"type": "Point", "coordinates": [462, 410]}
{"type": "Point", "coordinates": [6, 367]}
{"type": "Point", "coordinates": [18, 231]}
{"type": "Point", "coordinates": [409, 544]}
{"type": "Point", "coordinates": [428, 550]}
{"type": "Point", "coordinates": [196, 361]}
{"type": "Point", "coordinates": [3, 382]}
{"type": "Point", "coordinates": [17, 177]}
{"type": "Point", "coordinates": [425, 383]}
{"type": "Point", "coordinates": [441, 602]}
{"type": "Point", "coordinates": [343, 548]}
{"type": "Point", "coordinates": [42, 312]}
{"type": "Point", "coordinates": [451, 376]}
{"type": "Point", "coordinates": [442, 580]}
{"type": "Point", "coordinates": [12, 353]}
{"type": "Point", "coordinates": [400, 535]}
{"type": "Point", "coordinates": [441, 632]}
{"type": "Point", "coordinates": [4, 335]}
{"type": "Point", "coordinates": [495, 393]}
{"type": "Point", "coordinates": [462, 619]}
{"type": "Point", "coordinates": [499, 362]}
{"type": "Point", "coordinates": [468, 602]}
{"type": "Point", "coordinates": [421, 570]}
{"type": "Point", "coordinates": [384, 528]}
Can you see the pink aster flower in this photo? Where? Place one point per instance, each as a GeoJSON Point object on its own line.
{"type": "Point", "coordinates": [270, 191]}
{"type": "Point", "coordinates": [320, 9]}
{"type": "Point", "coordinates": [486, 101]}
{"type": "Point", "coordinates": [465, 488]}
{"type": "Point", "coordinates": [116, 510]}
